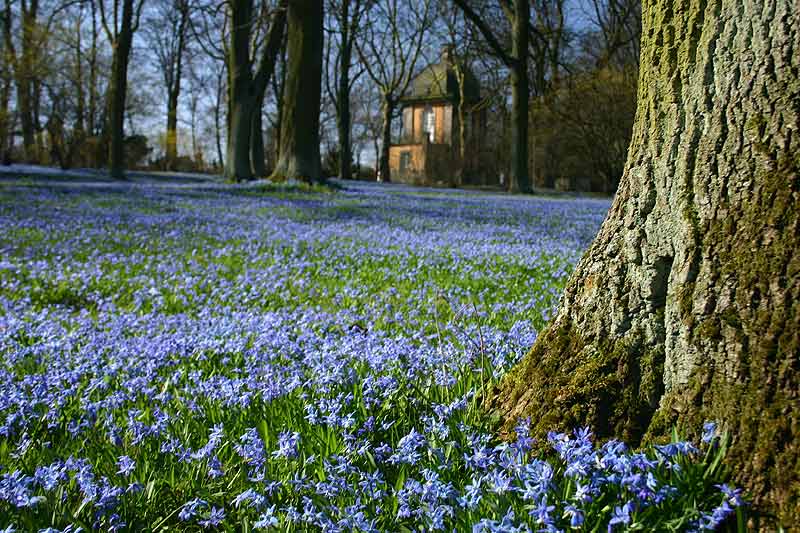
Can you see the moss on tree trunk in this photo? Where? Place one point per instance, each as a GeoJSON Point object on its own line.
{"type": "Point", "coordinates": [685, 307]}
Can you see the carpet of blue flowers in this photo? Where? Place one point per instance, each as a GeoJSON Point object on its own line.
{"type": "Point", "coordinates": [187, 357]}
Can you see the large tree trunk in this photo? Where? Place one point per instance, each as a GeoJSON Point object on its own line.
{"type": "Point", "coordinates": [117, 90]}
{"type": "Point", "coordinates": [300, 157]}
{"type": "Point", "coordinates": [518, 178]}
{"type": "Point", "coordinates": [384, 170]}
{"type": "Point", "coordinates": [687, 305]}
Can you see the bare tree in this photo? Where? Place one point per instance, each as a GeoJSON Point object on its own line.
{"type": "Point", "coordinates": [390, 46]}
{"type": "Point", "coordinates": [25, 49]}
{"type": "Point", "coordinates": [619, 23]}
{"type": "Point", "coordinates": [517, 13]}
{"type": "Point", "coordinates": [119, 29]}
{"type": "Point", "coordinates": [166, 32]}
{"type": "Point", "coordinates": [345, 17]}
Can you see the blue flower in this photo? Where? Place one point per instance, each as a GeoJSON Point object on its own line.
{"type": "Point", "coordinates": [709, 432]}
{"type": "Point", "coordinates": [621, 516]}
{"type": "Point", "coordinates": [267, 519]}
{"type": "Point", "coordinates": [215, 518]}
{"type": "Point", "coordinates": [288, 445]}
{"type": "Point", "coordinates": [126, 465]}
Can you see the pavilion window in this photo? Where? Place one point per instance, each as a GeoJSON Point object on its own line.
{"type": "Point", "coordinates": [429, 122]}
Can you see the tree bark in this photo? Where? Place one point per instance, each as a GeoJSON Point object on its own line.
{"type": "Point", "coordinates": [117, 92]}
{"type": "Point", "coordinates": [300, 158]}
{"type": "Point", "coordinates": [686, 307]}
{"type": "Point", "coordinates": [386, 140]}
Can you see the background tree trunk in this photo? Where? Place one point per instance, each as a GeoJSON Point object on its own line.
{"type": "Point", "coordinates": [217, 122]}
{"type": "Point", "coordinates": [265, 72]}
{"type": "Point", "coordinates": [171, 154]}
{"type": "Point", "coordinates": [517, 63]}
{"type": "Point", "coordinates": [518, 176]}
{"type": "Point", "coordinates": [343, 101]}
{"type": "Point", "coordinates": [300, 158]}
{"type": "Point", "coordinates": [5, 122]}
{"type": "Point", "coordinates": [257, 156]}
{"type": "Point", "coordinates": [92, 112]}
{"type": "Point", "coordinates": [117, 92]}
{"type": "Point", "coordinates": [386, 141]}
{"type": "Point", "coordinates": [687, 305]}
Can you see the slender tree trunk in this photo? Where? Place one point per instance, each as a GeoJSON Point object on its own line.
{"type": "Point", "coordinates": [386, 140]}
{"type": "Point", "coordinates": [26, 118]}
{"type": "Point", "coordinates": [461, 110]}
{"type": "Point", "coordinates": [344, 119]}
{"type": "Point", "coordinates": [279, 83]}
{"type": "Point", "coordinates": [36, 108]}
{"type": "Point", "coordinates": [5, 122]}
{"type": "Point", "coordinates": [217, 120]}
{"type": "Point", "coordinates": [80, 119]}
{"type": "Point", "coordinates": [25, 75]}
{"type": "Point", "coordinates": [518, 178]}
{"type": "Point", "coordinates": [343, 95]}
{"type": "Point", "coordinates": [300, 157]}
{"type": "Point", "coordinates": [687, 305]}
{"type": "Point", "coordinates": [171, 154]}
{"type": "Point", "coordinates": [91, 124]}
{"type": "Point", "coordinates": [257, 156]}
{"type": "Point", "coordinates": [265, 72]}
{"type": "Point", "coordinates": [117, 92]}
